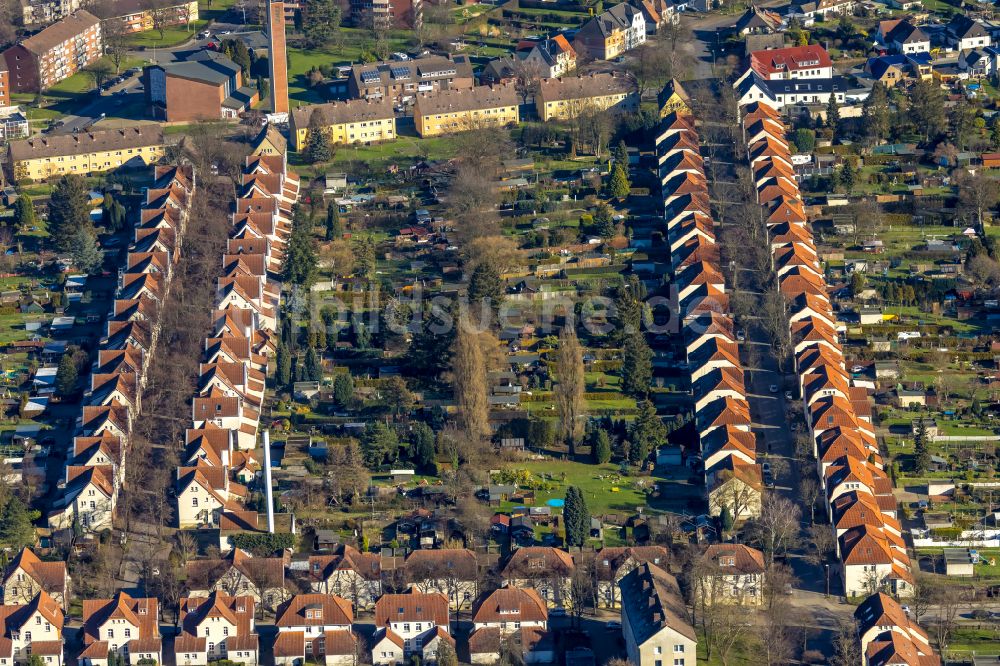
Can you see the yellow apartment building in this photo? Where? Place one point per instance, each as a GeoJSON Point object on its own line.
{"type": "Point", "coordinates": [451, 111]}
{"type": "Point", "coordinates": [94, 151]}
{"type": "Point", "coordinates": [353, 121]}
{"type": "Point", "coordinates": [561, 99]}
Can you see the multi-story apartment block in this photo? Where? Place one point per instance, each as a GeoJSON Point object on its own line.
{"type": "Point", "coordinates": [138, 16]}
{"type": "Point", "coordinates": [84, 153]}
{"type": "Point", "coordinates": [38, 12]}
{"type": "Point", "coordinates": [402, 81]}
{"type": "Point", "coordinates": [463, 110]}
{"type": "Point", "coordinates": [385, 14]}
{"type": "Point", "coordinates": [354, 121]}
{"type": "Point", "coordinates": [55, 53]}
{"type": "Point", "coordinates": [4, 85]}
{"type": "Point", "coordinates": [561, 99]}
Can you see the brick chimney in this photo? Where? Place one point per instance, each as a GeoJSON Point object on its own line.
{"type": "Point", "coordinates": [276, 56]}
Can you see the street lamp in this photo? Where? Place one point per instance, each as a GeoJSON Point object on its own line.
{"type": "Point", "coordinates": [826, 567]}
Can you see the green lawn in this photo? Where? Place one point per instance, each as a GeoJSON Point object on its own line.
{"type": "Point", "coordinates": [966, 640]}
{"type": "Point", "coordinates": [171, 36]}
{"type": "Point", "coordinates": [404, 151]}
{"type": "Point", "coordinates": [355, 46]}
{"type": "Point", "coordinates": [207, 12]}
{"type": "Point", "coordinates": [71, 88]}
{"type": "Point", "coordinates": [599, 493]}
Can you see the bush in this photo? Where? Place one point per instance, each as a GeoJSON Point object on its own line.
{"type": "Point", "coordinates": [263, 544]}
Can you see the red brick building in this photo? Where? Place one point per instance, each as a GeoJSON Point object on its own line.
{"type": "Point", "coordinates": [57, 52]}
{"type": "Point", "coordinates": [208, 86]}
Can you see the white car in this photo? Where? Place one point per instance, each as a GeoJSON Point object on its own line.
{"type": "Point", "coordinates": [205, 34]}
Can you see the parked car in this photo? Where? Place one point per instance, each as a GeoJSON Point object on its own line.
{"type": "Point", "coordinates": [774, 388]}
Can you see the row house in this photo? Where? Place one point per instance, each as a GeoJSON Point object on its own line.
{"type": "Point", "coordinates": [216, 627]}
{"type": "Point", "coordinates": [348, 573]}
{"type": "Point", "coordinates": [238, 574]}
{"type": "Point", "coordinates": [315, 627]}
{"type": "Point", "coordinates": [32, 630]}
{"type": "Point", "coordinates": [857, 489]}
{"type": "Point", "coordinates": [125, 626]}
{"type": "Point", "coordinates": [888, 635]}
{"type": "Point", "coordinates": [513, 615]}
{"type": "Point", "coordinates": [203, 493]}
{"type": "Point", "coordinates": [722, 413]}
{"type": "Point", "coordinates": [226, 407]}
{"type": "Point", "coordinates": [27, 576]}
{"type": "Point", "coordinates": [730, 573]}
{"type": "Point", "coordinates": [453, 572]}
{"type": "Point", "coordinates": [611, 34]}
{"type": "Point", "coordinates": [611, 564]}
{"type": "Point", "coordinates": [410, 625]}
{"type": "Point", "coordinates": [93, 478]}
{"type": "Point", "coordinates": [546, 570]}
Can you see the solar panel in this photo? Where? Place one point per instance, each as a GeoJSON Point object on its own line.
{"type": "Point", "coordinates": [400, 72]}
{"type": "Point", "coordinates": [370, 76]}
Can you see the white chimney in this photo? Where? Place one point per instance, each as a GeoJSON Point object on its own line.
{"type": "Point", "coordinates": [268, 492]}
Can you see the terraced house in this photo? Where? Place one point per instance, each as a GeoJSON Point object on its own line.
{"type": "Point", "coordinates": [616, 31]}
{"type": "Point", "coordinates": [57, 52]}
{"type": "Point", "coordinates": [27, 575]}
{"type": "Point", "coordinates": [87, 499]}
{"type": "Point", "coordinates": [123, 625]}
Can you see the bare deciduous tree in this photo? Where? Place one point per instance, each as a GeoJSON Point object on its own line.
{"type": "Point", "coordinates": [114, 34]}
{"type": "Point", "coordinates": [846, 645]}
{"type": "Point", "coordinates": [777, 528]}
